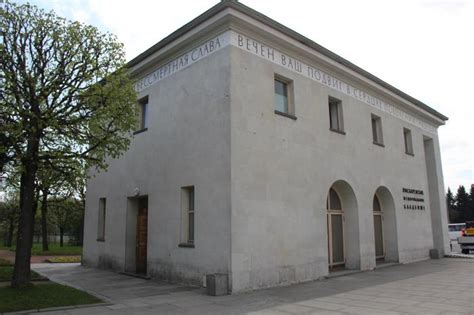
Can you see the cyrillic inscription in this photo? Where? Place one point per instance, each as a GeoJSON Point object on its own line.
{"type": "Point", "coordinates": [184, 61]}
{"type": "Point", "coordinates": [293, 64]}
{"type": "Point", "coordinates": [413, 199]}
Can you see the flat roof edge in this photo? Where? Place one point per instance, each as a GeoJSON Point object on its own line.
{"type": "Point", "coordinates": [287, 31]}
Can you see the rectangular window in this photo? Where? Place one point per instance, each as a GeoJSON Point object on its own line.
{"type": "Point", "coordinates": [408, 141]}
{"type": "Point", "coordinates": [377, 134]}
{"type": "Point", "coordinates": [284, 97]}
{"type": "Point", "coordinates": [187, 212]}
{"type": "Point", "coordinates": [101, 220]}
{"type": "Point", "coordinates": [143, 114]}
{"type": "Point", "coordinates": [281, 96]}
{"type": "Point", "coordinates": [335, 115]}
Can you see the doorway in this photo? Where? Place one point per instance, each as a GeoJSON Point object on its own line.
{"type": "Point", "coordinates": [335, 225]}
{"type": "Point", "coordinates": [385, 226]}
{"type": "Point", "coordinates": [142, 236]}
{"type": "Point", "coordinates": [378, 230]}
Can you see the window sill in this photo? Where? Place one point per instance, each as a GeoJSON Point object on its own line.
{"type": "Point", "coordinates": [409, 153]}
{"type": "Point", "coordinates": [379, 144]}
{"type": "Point", "coordinates": [140, 131]}
{"type": "Point", "coordinates": [101, 240]}
{"type": "Point", "coordinates": [186, 245]}
{"type": "Point", "coordinates": [337, 131]}
{"type": "Point", "coordinates": [285, 115]}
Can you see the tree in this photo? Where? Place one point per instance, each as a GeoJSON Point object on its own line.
{"type": "Point", "coordinates": [66, 100]}
{"type": "Point", "coordinates": [8, 219]}
{"type": "Point", "coordinates": [470, 208]}
{"type": "Point", "coordinates": [66, 215]}
{"type": "Point", "coordinates": [450, 204]}
{"type": "Point", "coordinates": [50, 182]}
{"type": "Point", "coordinates": [462, 204]}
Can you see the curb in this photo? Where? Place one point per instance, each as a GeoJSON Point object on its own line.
{"type": "Point", "coordinates": [466, 256]}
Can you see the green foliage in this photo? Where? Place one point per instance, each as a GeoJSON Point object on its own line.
{"type": "Point", "coordinates": [471, 203]}
{"type": "Point", "coordinates": [9, 211]}
{"type": "Point", "coordinates": [42, 296]}
{"type": "Point", "coordinates": [461, 206]}
{"type": "Point", "coordinates": [66, 104]}
{"type": "Point", "coordinates": [4, 262]}
{"type": "Point", "coordinates": [54, 250]}
{"type": "Point", "coordinates": [66, 214]}
{"type": "Point", "coordinates": [450, 205]}
{"type": "Point", "coordinates": [69, 79]}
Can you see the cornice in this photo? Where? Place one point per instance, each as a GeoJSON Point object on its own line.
{"type": "Point", "coordinates": [217, 17]}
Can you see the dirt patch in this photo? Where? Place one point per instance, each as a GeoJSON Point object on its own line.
{"type": "Point", "coordinates": [10, 256]}
{"type": "Point", "coordinates": [7, 255]}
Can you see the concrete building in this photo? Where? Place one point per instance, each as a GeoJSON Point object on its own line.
{"type": "Point", "coordinates": [265, 157]}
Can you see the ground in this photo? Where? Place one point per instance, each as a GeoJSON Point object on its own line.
{"type": "Point", "coordinates": [42, 295]}
{"type": "Point", "coordinates": [431, 287]}
{"type": "Point", "coordinates": [72, 252]}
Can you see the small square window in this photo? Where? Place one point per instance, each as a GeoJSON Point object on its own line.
{"type": "Point", "coordinates": [187, 215]}
{"type": "Point", "coordinates": [335, 115]}
{"type": "Point", "coordinates": [284, 97]}
{"type": "Point", "coordinates": [101, 220]}
{"type": "Point", "coordinates": [143, 114]}
{"type": "Point", "coordinates": [377, 134]}
{"type": "Point", "coordinates": [408, 141]}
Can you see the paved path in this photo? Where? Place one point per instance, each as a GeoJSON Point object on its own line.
{"type": "Point", "coordinates": [430, 287]}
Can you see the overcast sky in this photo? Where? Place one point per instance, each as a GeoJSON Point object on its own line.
{"type": "Point", "coordinates": [423, 47]}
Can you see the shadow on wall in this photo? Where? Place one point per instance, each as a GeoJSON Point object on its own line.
{"type": "Point", "coordinates": [107, 262]}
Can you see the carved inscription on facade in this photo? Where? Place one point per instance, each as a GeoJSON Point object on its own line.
{"type": "Point", "coordinates": [289, 62]}
{"type": "Point", "coordinates": [413, 199]}
{"type": "Point", "coordinates": [185, 60]}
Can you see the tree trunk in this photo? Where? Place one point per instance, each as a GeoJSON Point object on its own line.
{"type": "Point", "coordinates": [81, 228]}
{"type": "Point", "coordinates": [61, 236]}
{"type": "Point", "coordinates": [44, 220]}
{"type": "Point", "coordinates": [29, 164]}
{"type": "Point", "coordinates": [35, 208]}
{"type": "Point", "coordinates": [21, 271]}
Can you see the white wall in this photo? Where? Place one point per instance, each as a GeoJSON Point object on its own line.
{"type": "Point", "coordinates": [282, 170]}
{"type": "Point", "coordinates": [261, 180]}
{"type": "Point", "coordinates": [187, 143]}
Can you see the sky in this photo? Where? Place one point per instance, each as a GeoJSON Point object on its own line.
{"type": "Point", "coordinates": [423, 47]}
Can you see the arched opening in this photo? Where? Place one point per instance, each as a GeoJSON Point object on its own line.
{"type": "Point", "coordinates": [343, 227]}
{"type": "Point", "coordinates": [335, 222]}
{"type": "Point", "coordinates": [385, 227]}
{"type": "Point", "coordinates": [378, 230]}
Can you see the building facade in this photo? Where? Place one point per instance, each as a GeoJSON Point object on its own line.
{"type": "Point", "coordinates": [263, 156]}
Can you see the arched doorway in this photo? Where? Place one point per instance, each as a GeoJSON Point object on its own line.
{"type": "Point", "coordinates": [342, 227]}
{"type": "Point", "coordinates": [385, 226]}
{"type": "Point", "coordinates": [335, 224]}
{"type": "Point", "coordinates": [378, 229]}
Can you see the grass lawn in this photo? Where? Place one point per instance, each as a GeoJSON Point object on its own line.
{"type": "Point", "coordinates": [42, 296]}
{"type": "Point", "coordinates": [54, 249]}
{"type": "Point", "coordinates": [6, 273]}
